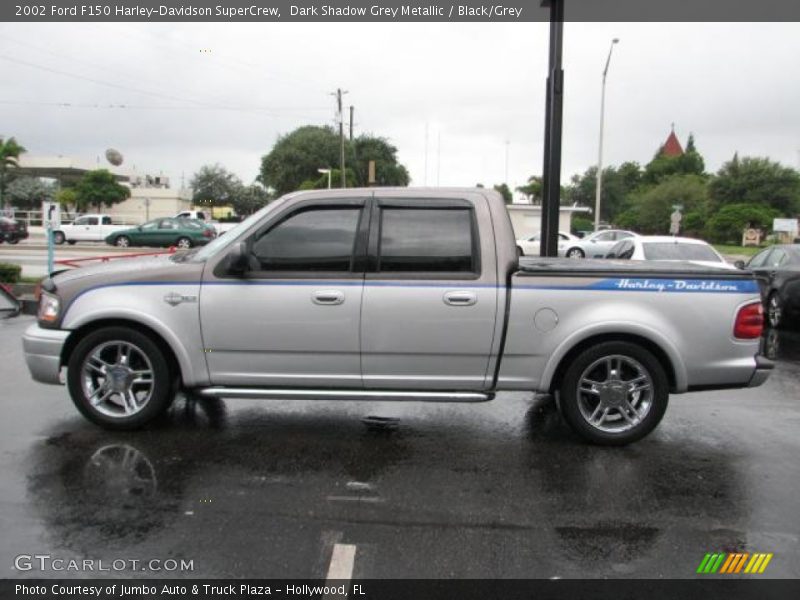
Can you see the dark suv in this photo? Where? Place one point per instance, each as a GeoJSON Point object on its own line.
{"type": "Point", "coordinates": [12, 231]}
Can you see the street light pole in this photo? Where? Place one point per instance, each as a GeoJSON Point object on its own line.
{"type": "Point", "coordinates": [599, 186]}
{"type": "Point", "coordinates": [328, 172]}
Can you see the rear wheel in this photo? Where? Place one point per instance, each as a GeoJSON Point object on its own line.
{"type": "Point", "coordinates": [13, 241]}
{"type": "Point", "coordinates": [71, 242]}
{"type": "Point", "coordinates": [614, 393]}
{"type": "Point", "coordinates": [774, 311]}
{"type": "Point", "coordinates": [122, 241]}
{"type": "Point", "coordinates": [119, 378]}
{"type": "Point", "coordinates": [184, 242]}
{"type": "Point", "coordinates": [59, 237]}
{"type": "Point", "coordinates": [575, 253]}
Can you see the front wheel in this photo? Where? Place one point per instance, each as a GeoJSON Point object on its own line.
{"type": "Point", "coordinates": [774, 311]}
{"type": "Point", "coordinates": [122, 242]}
{"type": "Point", "coordinates": [614, 393]}
{"type": "Point", "coordinates": [59, 238]}
{"type": "Point", "coordinates": [13, 241]}
{"type": "Point", "coordinates": [119, 378]}
{"type": "Point", "coordinates": [575, 253]}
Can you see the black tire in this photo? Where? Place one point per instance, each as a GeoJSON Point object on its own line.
{"type": "Point", "coordinates": [59, 238]}
{"type": "Point", "coordinates": [13, 241]}
{"type": "Point", "coordinates": [574, 405]}
{"type": "Point", "coordinates": [774, 310]}
{"type": "Point", "coordinates": [575, 253]}
{"type": "Point", "coordinates": [184, 242]}
{"type": "Point", "coordinates": [122, 241]}
{"type": "Point", "coordinates": [163, 378]}
{"type": "Point", "coordinates": [71, 242]}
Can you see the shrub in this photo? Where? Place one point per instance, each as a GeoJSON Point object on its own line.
{"type": "Point", "coordinates": [10, 273]}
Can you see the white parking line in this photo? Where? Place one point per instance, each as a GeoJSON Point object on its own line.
{"type": "Point", "coordinates": [340, 569]}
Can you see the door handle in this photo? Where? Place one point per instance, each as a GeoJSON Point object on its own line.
{"type": "Point", "coordinates": [460, 298]}
{"type": "Point", "coordinates": [328, 297]}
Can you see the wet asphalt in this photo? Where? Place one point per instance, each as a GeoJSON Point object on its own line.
{"type": "Point", "coordinates": [495, 490]}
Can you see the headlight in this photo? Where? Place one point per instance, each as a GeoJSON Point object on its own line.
{"type": "Point", "coordinates": [49, 305]}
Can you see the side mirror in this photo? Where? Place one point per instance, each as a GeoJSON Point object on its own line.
{"type": "Point", "coordinates": [739, 264]}
{"type": "Point", "coordinates": [236, 261]}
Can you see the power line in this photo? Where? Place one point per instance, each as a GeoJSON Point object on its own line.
{"type": "Point", "coordinates": [270, 110]}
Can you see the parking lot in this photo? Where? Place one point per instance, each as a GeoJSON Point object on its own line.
{"type": "Point", "coordinates": [495, 490]}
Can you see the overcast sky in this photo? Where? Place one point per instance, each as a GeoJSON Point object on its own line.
{"type": "Point", "coordinates": [734, 85]}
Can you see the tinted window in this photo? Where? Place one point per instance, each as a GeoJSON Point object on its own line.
{"type": "Point", "coordinates": [426, 239]}
{"type": "Point", "coordinates": [313, 240]}
{"type": "Point", "coordinates": [201, 215]}
{"type": "Point", "coordinates": [93, 221]}
{"type": "Point", "coordinates": [106, 220]}
{"type": "Point", "coordinates": [81, 221]}
{"type": "Point", "coordinates": [623, 235]}
{"type": "Point", "coordinates": [678, 251]}
{"type": "Point", "coordinates": [777, 258]}
{"type": "Point", "coordinates": [150, 225]}
{"type": "Point", "coordinates": [607, 236]}
{"type": "Point", "coordinates": [758, 259]}
{"type": "Point", "coordinates": [168, 224]}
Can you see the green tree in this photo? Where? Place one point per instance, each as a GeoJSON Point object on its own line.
{"type": "Point", "coordinates": [505, 192]}
{"type": "Point", "coordinates": [753, 180]}
{"type": "Point", "coordinates": [297, 157]}
{"type": "Point", "coordinates": [618, 183]}
{"type": "Point", "coordinates": [689, 163]}
{"type": "Point", "coordinates": [651, 206]}
{"type": "Point", "coordinates": [247, 199]}
{"type": "Point", "coordinates": [532, 190]}
{"type": "Point", "coordinates": [28, 193]}
{"type": "Point", "coordinates": [214, 185]}
{"type": "Point", "coordinates": [99, 188]}
{"type": "Point", "coordinates": [580, 223]}
{"type": "Point", "coordinates": [388, 172]}
{"type": "Point", "coordinates": [729, 222]}
{"type": "Point", "coordinates": [10, 151]}
{"type": "Point", "coordinates": [67, 198]}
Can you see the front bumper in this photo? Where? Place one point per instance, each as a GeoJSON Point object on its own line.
{"type": "Point", "coordinates": [43, 353]}
{"type": "Point", "coordinates": [764, 367]}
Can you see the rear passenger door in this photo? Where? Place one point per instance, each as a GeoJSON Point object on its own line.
{"type": "Point", "coordinates": [430, 295]}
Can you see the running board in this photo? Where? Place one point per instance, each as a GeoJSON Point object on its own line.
{"type": "Point", "coordinates": [374, 395]}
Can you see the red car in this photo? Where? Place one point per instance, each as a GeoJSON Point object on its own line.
{"type": "Point", "coordinates": [12, 231]}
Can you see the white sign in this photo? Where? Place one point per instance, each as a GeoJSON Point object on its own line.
{"type": "Point", "coordinates": [787, 225]}
{"type": "Point", "coordinates": [51, 215]}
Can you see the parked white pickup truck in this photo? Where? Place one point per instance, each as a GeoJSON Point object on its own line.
{"type": "Point", "coordinates": [86, 228]}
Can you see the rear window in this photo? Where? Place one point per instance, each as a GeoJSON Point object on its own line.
{"type": "Point", "coordinates": [430, 240]}
{"type": "Point", "coordinates": [678, 251]}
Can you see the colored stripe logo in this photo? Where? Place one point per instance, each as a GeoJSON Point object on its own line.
{"type": "Point", "coordinates": [732, 563]}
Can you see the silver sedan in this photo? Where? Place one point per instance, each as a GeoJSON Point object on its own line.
{"type": "Point", "coordinates": [595, 245]}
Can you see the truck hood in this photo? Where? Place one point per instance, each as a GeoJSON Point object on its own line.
{"type": "Point", "coordinates": [130, 268]}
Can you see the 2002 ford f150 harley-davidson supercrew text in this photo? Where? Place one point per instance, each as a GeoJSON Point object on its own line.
{"type": "Point", "coordinates": [394, 294]}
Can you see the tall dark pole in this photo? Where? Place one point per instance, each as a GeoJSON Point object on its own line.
{"type": "Point", "coordinates": [551, 171]}
{"type": "Point", "coordinates": [352, 110]}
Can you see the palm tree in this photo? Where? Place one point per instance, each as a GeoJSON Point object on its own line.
{"type": "Point", "coordinates": [9, 155]}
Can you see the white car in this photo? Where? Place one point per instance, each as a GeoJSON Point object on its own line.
{"type": "Point", "coordinates": [666, 247]}
{"type": "Point", "coordinates": [86, 228]}
{"type": "Point", "coordinates": [596, 245]}
{"type": "Point", "coordinates": [531, 246]}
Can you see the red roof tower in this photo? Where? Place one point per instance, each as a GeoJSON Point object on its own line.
{"type": "Point", "coordinates": [672, 147]}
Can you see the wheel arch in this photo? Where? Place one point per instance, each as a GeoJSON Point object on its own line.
{"type": "Point", "coordinates": [555, 370]}
{"type": "Point", "coordinates": [78, 334]}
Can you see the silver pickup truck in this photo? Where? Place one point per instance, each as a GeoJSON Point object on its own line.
{"type": "Point", "coordinates": [394, 294]}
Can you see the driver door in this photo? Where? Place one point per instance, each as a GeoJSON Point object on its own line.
{"type": "Point", "coordinates": [293, 318]}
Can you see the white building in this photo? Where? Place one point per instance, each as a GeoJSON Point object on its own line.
{"type": "Point", "coordinates": [527, 218]}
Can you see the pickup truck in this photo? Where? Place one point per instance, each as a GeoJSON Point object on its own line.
{"type": "Point", "coordinates": [86, 228]}
{"type": "Point", "coordinates": [394, 294]}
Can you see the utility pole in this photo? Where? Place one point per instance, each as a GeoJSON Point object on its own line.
{"type": "Point", "coordinates": [340, 114]}
{"type": "Point", "coordinates": [352, 110]}
{"type": "Point", "coordinates": [425, 182]}
{"type": "Point", "coordinates": [599, 186]}
{"type": "Point", "coordinates": [506, 177]}
{"type": "Point", "coordinates": [551, 171]}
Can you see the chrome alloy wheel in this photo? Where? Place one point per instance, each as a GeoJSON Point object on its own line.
{"type": "Point", "coordinates": [615, 393]}
{"type": "Point", "coordinates": [774, 311]}
{"type": "Point", "coordinates": [117, 379]}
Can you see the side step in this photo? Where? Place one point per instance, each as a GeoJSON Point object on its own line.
{"type": "Point", "coordinates": [330, 394]}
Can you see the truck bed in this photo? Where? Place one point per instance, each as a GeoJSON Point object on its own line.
{"type": "Point", "coordinates": [596, 267]}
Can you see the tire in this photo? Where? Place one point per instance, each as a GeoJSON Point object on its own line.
{"type": "Point", "coordinates": [13, 241]}
{"type": "Point", "coordinates": [59, 238]}
{"type": "Point", "coordinates": [575, 253]}
{"type": "Point", "coordinates": [96, 355]}
{"type": "Point", "coordinates": [122, 241]}
{"type": "Point", "coordinates": [609, 403]}
{"type": "Point", "coordinates": [520, 253]}
{"type": "Point", "coordinates": [184, 243]}
{"type": "Point", "coordinates": [774, 310]}
{"type": "Point", "coordinates": [71, 242]}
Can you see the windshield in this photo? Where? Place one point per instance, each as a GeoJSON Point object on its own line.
{"type": "Point", "coordinates": [212, 247]}
{"type": "Point", "coordinates": [678, 251]}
